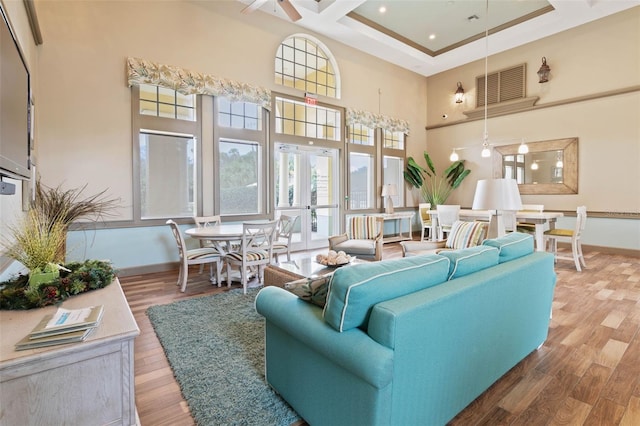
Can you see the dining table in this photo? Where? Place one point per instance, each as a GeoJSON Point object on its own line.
{"type": "Point", "coordinates": [541, 220]}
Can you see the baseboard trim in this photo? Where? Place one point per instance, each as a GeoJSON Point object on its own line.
{"type": "Point", "coordinates": [148, 269]}
{"type": "Point", "coordinates": [602, 249]}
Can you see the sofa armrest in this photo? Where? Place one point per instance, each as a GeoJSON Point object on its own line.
{"type": "Point", "coordinates": [352, 350]}
{"type": "Point", "coordinates": [412, 248]}
{"type": "Point", "coordinates": [337, 239]}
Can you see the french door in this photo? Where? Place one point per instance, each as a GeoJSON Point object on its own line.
{"type": "Point", "coordinates": [306, 180]}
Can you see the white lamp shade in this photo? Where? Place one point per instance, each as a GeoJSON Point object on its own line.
{"type": "Point", "coordinates": [389, 190]}
{"type": "Point", "coordinates": [497, 194]}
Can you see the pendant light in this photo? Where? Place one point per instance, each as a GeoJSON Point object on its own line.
{"type": "Point", "coordinates": [523, 148]}
{"type": "Point", "coordinates": [486, 152]}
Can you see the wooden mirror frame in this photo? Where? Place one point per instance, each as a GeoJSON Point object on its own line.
{"type": "Point", "coordinates": [569, 147]}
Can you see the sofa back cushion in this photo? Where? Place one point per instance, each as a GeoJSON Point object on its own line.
{"type": "Point", "coordinates": [355, 289]}
{"type": "Point", "coordinates": [470, 260]}
{"type": "Point", "coordinates": [511, 246]}
{"type": "Point", "coordinates": [466, 234]}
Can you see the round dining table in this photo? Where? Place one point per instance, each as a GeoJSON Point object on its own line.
{"type": "Point", "coordinates": [220, 233]}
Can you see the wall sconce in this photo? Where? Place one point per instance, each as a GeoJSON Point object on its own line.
{"type": "Point", "coordinates": [543, 72]}
{"type": "Point", "coordinates": [454, 156]}
{"type": "Point", "coordinates": [459, 94]}
{"type": "Point", "coordinates": [534, 165]}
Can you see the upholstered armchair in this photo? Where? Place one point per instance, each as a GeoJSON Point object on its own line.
{"type": "Point", "coordinates": [363, 238]}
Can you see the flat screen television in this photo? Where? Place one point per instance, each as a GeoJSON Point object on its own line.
{"type": "Point", "coordinates": [15, 126]}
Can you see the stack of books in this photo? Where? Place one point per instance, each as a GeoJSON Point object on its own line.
{"type": "Point", "coordinates": [64, 326]}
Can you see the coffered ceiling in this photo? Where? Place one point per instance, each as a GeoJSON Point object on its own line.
{"type": "Point", "coordinates": [431, 36]}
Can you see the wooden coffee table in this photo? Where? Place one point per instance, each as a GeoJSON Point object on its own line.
{"type": "Point", "coordinates": [280, 273]}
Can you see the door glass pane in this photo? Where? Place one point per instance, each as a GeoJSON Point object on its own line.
{"type": "Point", "coordinates": [323, 223]}
{"type": "Point", "coordinates": [240, 184]}
{"type": "Point", "coordinates": [167, 171]}
{"type": "Point", "coordinates": [322, 173]}
{"type": "Point", "coordinates": [287, 167]}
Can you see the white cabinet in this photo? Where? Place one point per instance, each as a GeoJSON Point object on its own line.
{"type": "Point", "coordinates": [87, 383]}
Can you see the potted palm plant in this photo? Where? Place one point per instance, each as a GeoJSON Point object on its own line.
{"type": "Point", "coordinates": [435, 189]}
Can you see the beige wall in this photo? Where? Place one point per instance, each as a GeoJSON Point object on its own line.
{"type": "Point", "coordinates": [85, 112]}
{"type": "Point", "coordinates": [594, 58]}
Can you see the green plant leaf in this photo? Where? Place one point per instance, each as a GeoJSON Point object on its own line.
{"type": "Point", "coordinates": [460, 178]}
{"type": "Point", "coordinates": [429, 163]}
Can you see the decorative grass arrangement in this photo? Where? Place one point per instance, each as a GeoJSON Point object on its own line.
{"type": "Point", "coordinates": [37, 241]}
{"type": "Point", "coordinates": [75, 278]}
{"type": "Point", "coordinates": [66, 206]}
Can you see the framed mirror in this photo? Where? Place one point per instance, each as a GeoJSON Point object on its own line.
{"type": "Point", "coordinates": [550, 167]}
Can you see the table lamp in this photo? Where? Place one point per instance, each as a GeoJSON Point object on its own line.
{"type": "Point", "coordinates": [388, 191]}
{"type": "Point", "coordinates": [497, 195]}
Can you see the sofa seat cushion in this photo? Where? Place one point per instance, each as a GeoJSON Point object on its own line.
{"type": "Point", "coordinates": [470, 260]}
{"type": "Point", "coordinates": [511, 246]}
{"type": "Point", "coordinates": [466, 234]}
{"type": "Point", "coordinates": [355, 289]}
{"type": "Point", "coordinates": [356, 247]}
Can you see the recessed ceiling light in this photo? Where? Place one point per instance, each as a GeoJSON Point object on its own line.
{"type": "Point", "coordinates": [432, 36]}
{"type": "Point", "coordinates": [382, 9]}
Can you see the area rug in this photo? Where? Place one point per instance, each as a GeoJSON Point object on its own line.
{"type": "Point", "coordinates": [215, 346]}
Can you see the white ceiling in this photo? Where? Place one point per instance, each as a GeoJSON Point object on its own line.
{"type": "Point", "coordinates": [401, 34]}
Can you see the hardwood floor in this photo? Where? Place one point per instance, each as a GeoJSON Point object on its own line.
{"type": "Point", "coordinates": [586, 373]}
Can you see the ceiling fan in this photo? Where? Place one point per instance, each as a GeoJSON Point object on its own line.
{"type": "Point", "coordinates": [286, 5]}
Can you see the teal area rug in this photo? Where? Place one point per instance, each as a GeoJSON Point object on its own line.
{"type": "Point", "coordinates": [215, 345]}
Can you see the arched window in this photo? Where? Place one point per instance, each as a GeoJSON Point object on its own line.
{"type": "Point", "coordinates": [304, 63]}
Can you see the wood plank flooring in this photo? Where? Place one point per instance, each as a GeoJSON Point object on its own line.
{"type": "Point", "coordinates": [586, 373]}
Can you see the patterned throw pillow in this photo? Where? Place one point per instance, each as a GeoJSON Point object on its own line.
{"type": "Point", "coordinates": [466, 234]}
{"type": "Point", "coordinates": [313, 289]}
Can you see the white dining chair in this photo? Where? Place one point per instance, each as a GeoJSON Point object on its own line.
{"type": "Point", "coordinates": [256, 251]}
{"type": "Point", "coordinates": [448, 214]}
{"type": "Point", "coordinates": [425, 220]}
{"type": "Point", "coordinates": [529, 228]}
{"type": "Point", "coordinates": [282, 242]}
{"type": "Point", "coordinates": [198, 256]}
{"type": "Point", "coordinates": [205, 222]}
{"type": "Point", "coordinates": [572, 236]}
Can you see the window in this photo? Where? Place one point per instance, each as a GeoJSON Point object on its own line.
{"type": "Point", "coordinates": [240, 176]}
{"type": "Point", "coordinates": [166, 153]}
{"type": "Point", "coordinates": [162, 102]}
{"type": "Point", "coordinates": [305, 64]}
{"type": "Point", "coordinates": [393, 155]}
{"type": "Point", "coordinates": [393, 140]}
{"type": "Point", "coordinates": [362, 177]}
{"type": "Point", "coordinates": [167, 176]}
{"type": "Point", "coordinates": [239, 115]}
{"type": "Point", "coordinates": [312, 121]}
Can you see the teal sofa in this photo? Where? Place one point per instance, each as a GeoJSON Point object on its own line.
{"type": "Point", "coordinates": [408, 341]}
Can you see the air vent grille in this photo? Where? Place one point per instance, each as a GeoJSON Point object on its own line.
{"type": "Point", "coordinates": [504, 85]}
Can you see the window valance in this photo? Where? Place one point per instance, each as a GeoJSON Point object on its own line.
{"type": "Point", "coordinates": [141, 71]}
{"type": "Point", "coordinates": [372, 120]}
